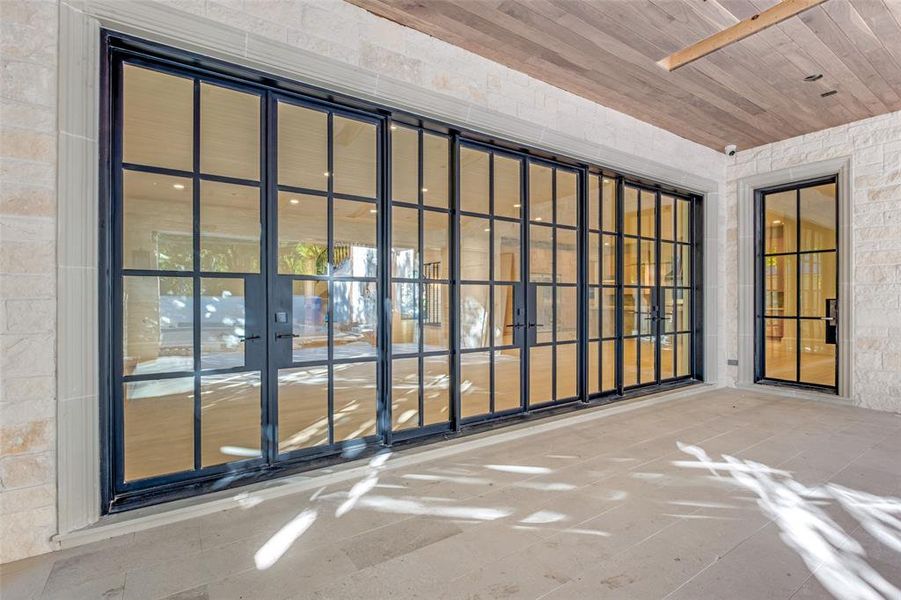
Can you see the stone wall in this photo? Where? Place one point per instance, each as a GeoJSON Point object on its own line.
{"type": "Point", "coordinates": [874, 146]}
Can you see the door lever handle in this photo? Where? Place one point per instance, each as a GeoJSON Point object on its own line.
{"type": "Point", "coordinates": [536, 324]}
{"type": "Point", "coordinates": [281, 336]}
{"type": "Point", "coordinates": [250, 337]}
{"type": "Point", "coordinates": [514, 325]}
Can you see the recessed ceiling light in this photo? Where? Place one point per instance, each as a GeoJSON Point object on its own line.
{"type": "Point", "coordinates": [373, 210]}
{"type": "Point", "coordinates": [294, 201]}
{"type": "Point", "coordinates": [178, 186]}
{"type": "Point", "coordinates": [517, 205]}
{"type": "Point", "coordinates": [829, 93]}
{"type": "Point", "coordinates": [537, 218]}
{"type": "Point", "coordinates": [815, 77]}
{"type": "Point", "coordinates": [425, 189]}
{"type": "Point", "coordinates": [326, 174]}
{"type": "Point", "coordinates": [777, 222]}
{"type": "Point", "coordinates": [394, 128]}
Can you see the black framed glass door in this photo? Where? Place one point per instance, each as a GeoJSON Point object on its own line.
{"type": "Point", "coordinates": [797, 285]}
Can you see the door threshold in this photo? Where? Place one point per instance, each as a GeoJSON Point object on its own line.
{"type": "Point", "coordinates": [801, 394]}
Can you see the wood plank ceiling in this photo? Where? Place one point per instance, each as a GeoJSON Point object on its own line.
{"type": "Point", "coordinates": [750, 93]}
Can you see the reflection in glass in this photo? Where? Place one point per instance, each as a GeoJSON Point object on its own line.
{"type": "Point", "coordinates": [157, 222]}
{"type": "Point", "coordinates": [475, 384]}
{"type": "Point", "coordinates": [567, 256]}
{"type": "Point", "coordinates": [302, 234]}
{"type": "Point", "coordinates": [566, 368]}
{"type": "Point", "coordinates": [504, 317]}
{"type": "Point", "coordinates": [474, 174]}
{"type": "Point", "coordinates": [683, 354]}
{"type": "Point", "coordinates": [608, 205]}
{"type": "Point", "coordinates": [648, 214]}
{"type": "Point", "coordinates": [158, 436]}
{"type": "Point", "coordinates": [780, 224]}
{"type": "Point", "coordinates": [404, 393]}
{"type": "Point", "coordinates": [630, 211]}
{"type": "Point", "coordinates": [354, 157]}
{"type": "Point", "coordinates": [404, 164]}
{"type": "Point", "coordinates": [667, 267]}
{"type": "Point", "coordinates": [302, 147]}
{"type": "Point", "coordinates": [594, 312]}
{"type": "Point", "coordinates": [631, 308]}
{"type": "Point", "coordinates": [507, 247]}
{"type": "Point", "coordinates": [608, 365]}
{"type": "Point", "coordinates": [818, 282]}
{"type": "Point", "coordinates": [541, 253]}
{"type": "Point", "coordinates": [355, 400]}
{"type": "Point", "coordinates": [594, 259]}
{"type": "Point", "coordinates": [567, 198]}
{"type": "Point", "coordinates": [436, 325]}
{"type": "Point", "coordinates": [683, 265]}
{"type": "Point", "coordinates": [630, 261]}
{"type": "Point", "coordinates": [355, 318]}
{"type": "Point", "coordinates": [506, 379]}
{"type": "Point", "coordinates": [667, 217]}
{"type": "Point", "coordinates": [474, 302]}
{"type": "Point", "coordinates": [667, 367]}
{"type": "Point", "coordinates": [683, 220]}
{"type": "Point", "coordinates": [355, 251]}
{"type": "Point", "coordinates": [780, 285]}
{"type": "Point", "coordinates": [435, 236]}
{"type": "Point", "coordinates": [647, 347]}
{"type": "Point", "coordinates": [594, 370]}
{"type": "Point", "coordinates": [645, 322]}
{"type": "Point", "coordinates": [475, 243]}
{"type": "Point", "coordinates": [541, 197]}
{"type": "Point", "coordinates": [544, 313]}
{"type": "Point", "coordinates": [608, 316]}
{"type": "Point", "coordinates": [404, 318]}
{"type": "Point", "coordinates": [229, 132]}
{"type": "Point", "coordinates": [780, 348]}
{"type": "Point", "coordinates": [630, 362]}
{"type": "Point", "coordinates": [230, 228]}
{"type": "Point", "coordinates": [436, 389]}
{"type": "Point", "coordinates": [608, 264]}
{"type": "Point", "coordinates": [567, 314]}
{"type": "Point", "coordinates": [404, 242]}
{"type": "Point", "coordinates": [222, 323]}
{"type": "Point", "coordinates": [648, 263]}
{"type": "Point", "coordinates": [541, 369]}
{"type": "Point", "coordinates": [817, 357]}
{"type": "Point", "coordinates": [158, 119]}
{"type": "Point", "coordinates": [507, 197]}
{"type": "Point", "coordinates": [309, 304]}
{"type": "Point", "coordinates": [683, 310]}
{"type": "Point", "coordinates": [435, 171]}
{"type": "Point", "coordinates": [229, 418]}
{"type": "Point", "coordinates": [157, 324]}
{"type": "Point", "coordinates": [302, 408]}
{"type": "Point", "coordinates": [818, 213]}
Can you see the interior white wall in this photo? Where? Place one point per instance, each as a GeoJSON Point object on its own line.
{"type": "Point", "coordinates": [49, 325]}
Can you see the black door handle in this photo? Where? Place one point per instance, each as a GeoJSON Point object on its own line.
{"type": "Point", "coordinates": [281, 336]}
{"type": "Point", "coordinates": [250, 337]}
{"type": "Point", "coordinates": [536, 324]}
{"type": "Point", "coordinates": [514, 325]}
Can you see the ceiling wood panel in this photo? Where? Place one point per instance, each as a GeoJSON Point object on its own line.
{"type": "Point", "coordinates": [752, 92]}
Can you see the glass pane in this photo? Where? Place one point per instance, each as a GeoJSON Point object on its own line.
{"type": "Point", "coordinates": [683, 220]}
{"type": "Point", "coordinates": [404, 393]}
{"type": "Point", "coordinates": [594, 367]}
{"type": "Point", "coordinates": [436, 389]}
{"type": "Point", "coordinates": [474, 180]}
{"type": "Point", "coordinates": [608, 206]}
{"type": "Point", "coordinates": [630, 211]}
{"type": "Point", "coordinates": [302, 147]}
{"type": "Point", "coordinates": [355, 157]}
{"type": "Point", "coordinates": [567, 314]}
{"type": "Point", "coordinates": [435, 171]}
{"type": "Point", "coordinates": [475, 384]}
{"type": "Point", "coordinates": [544, 313]}
{"type": "Point", "coordinates": [404, 318]}
{"type": "Point", "coordinates": [436, 325]}
{"type": "Point", "coordinates": [645, 325]}
{"type": "Point", "coordinates": [567, 256]}
{"type": "Point", "coordinates": [158, 435]}
{"type": "Point", "coordinates": [630, 261]}
{"type": "Point", "coordinates": [302, 408]}
{"type": "Point", "coordinates": [683, 354]}
{"type": "Point", "coordinates": [667, 217]}
{"type": "Point", "coordinates": [818, 282]}
{"type": "Point", "coordinates": [475, 244]}
{"type": "Point", "coordinates": [631, 307]}
{"type": "Point", "coordinates": [504, 316]}
{"type": "Point", "coordinates": [594, 258]}
{"type": "Point", "coordinates": [158, 119]}
{"type": "Point", "coordinates": [683, 265]}
{"type": "Point", "coordinates": [648, 358]}
{"type": "Point", "coordinates": [506, 379]}
{"type": "Point", "coordinates": [780, 226]}
{"type": "Point", "coordinates": [594, 313]}
{"type": "Point", "coordinates": [222, 323]}
{"type": "Point", "coordinates": [229, 132]}
{"type": "Point", "coordinates": [302, 234]}
{"type": "Point", "coordinates": [230, 228]}
{"type": "Point", "coordinates": [648, 214]}
{"type": "Point", "coordinates": [355, 253]}
{"type": "Point", "coordinates": [608, 365]}
{"type": "Point", "coordinates": [541, 378]}
{"type": "Point", "coordinates": [781, 348]}
{"type": "Point", "coordinates": [608, 250]}
{"type": "Point", "coordinates": [667, 266]}
{"type": "Point", "coordinates": [229, 418]}
{"type": "Point", "coordinates": [668, 318]}
{"type": "Point", "coordinates": [648, 263]}
{"type": "Point", "coordinates": [667, 367]}
{"type": "Point", "coordinates": [309, 320]}
{"type": "Point", "coordinates": [683, 310]}
{"type": "Point", "coordinates": [567, 198]}
{"type": "Point", "coordinates": [818, 212]}
{"type": "Point", "coordinates": [541, 198]}
{"type": "Point", "coordinates": [594, 202]}
{"type": "Point", "coordinates": [817, 357]}
{"type": "Point", "coordinates": [404, 242]}
{"type": "Point", "coordinates": [355, 319]}
{"type": "Point", "coordinates": [507, 196]}
{"type": "Point", "coordinates": [780, 285]}
{"type": "Point", "coordinates": [566, 368]}
{"type": "Point", "coordinates": [157, 222]}
{"type": "Point", "coordinates": [157, 325]}
{"type": "Point", "coordinates": [474, 302]}
{"type": "Point", "coordinates": [507, 246]}
{"type": "Point", "coordinates": [630, 362]}
{"type": "Point", "coordinates": [355, 400]}
{"type": "Point", "coordinates": [434, 253]}
{"type": "Point", "coordinates": [608, 316]}
{"type": "Point", "coordinates": [404, 164]}
{"type": "Point", "coordinates": [541, 253]}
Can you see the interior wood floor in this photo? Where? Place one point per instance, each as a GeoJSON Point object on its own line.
{"type": "Point", "coordinates": [721, 494]}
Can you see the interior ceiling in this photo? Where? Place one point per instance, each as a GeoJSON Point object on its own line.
{"type": "Point", "coordinates": [750, 93]}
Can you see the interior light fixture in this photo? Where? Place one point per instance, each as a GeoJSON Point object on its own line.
{"type": "Point", "coordinates": [777, 222]}
{"type": "Point", "coordinates": [294, 201]}
{"type": "Point", "coordinates": [487, 229]}
{"type": "Point", "coordinates": [394, 128]}
{"type": "Point", "coordinates": [425, 189]}
{"type": "Point", "coordinates": [178, 186]}
{"type": "Point", "coordinates": [537, 218]}
{"type": "Point", "coordinates": [373, 210]}
{"type": "Point", "coordinates": [517, 205]}
{"type": "Point", "coordinates": [326, 174]}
